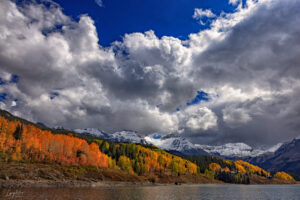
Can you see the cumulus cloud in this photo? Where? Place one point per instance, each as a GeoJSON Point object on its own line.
{"type": "Point", "coordinates": [201, 14]}
{"type": "Point", "coordinates": [199, 119]}
{"type": "Point", "coordinates": [53, 70]}
{"type": "Point", "coordinates": [234, 2]}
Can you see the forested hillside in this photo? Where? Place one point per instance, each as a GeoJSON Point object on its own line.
{"type": "Point", "coordinates": [24, 142]}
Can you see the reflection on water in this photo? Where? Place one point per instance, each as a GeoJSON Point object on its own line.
{"type": "Point", "coordinates": [190, 192]}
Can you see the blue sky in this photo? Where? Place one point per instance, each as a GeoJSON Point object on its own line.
{"type": "Point", "coordinates": [165, 17]}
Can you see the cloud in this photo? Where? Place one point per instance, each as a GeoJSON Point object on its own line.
{"type": "Point", "coordinates": [201, 14]}
{"type": "Point", "coordinates": [234, 2]}
{"type": "Point", "coordinates": [99, 3]}
{"type": "Point", "coordinates": [199, 119]}
{"type": "Point", "coordinates": [235, 117]}
{"type": "Point", "coordinates": [247, 61]}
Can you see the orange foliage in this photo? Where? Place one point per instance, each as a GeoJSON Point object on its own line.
{"type": "Point", "coordinates": [43, 146]}
{"type": "Point", "coordinates": [214, 167]}
{"type": "Point", "coordinates": [226, 169]}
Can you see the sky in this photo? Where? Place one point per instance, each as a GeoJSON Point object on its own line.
{"type": "Point", "coordinates": [115, 18]}
{"type": "Point", "coordinates": [214, 71]}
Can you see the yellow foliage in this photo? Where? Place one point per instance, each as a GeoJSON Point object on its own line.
{"type": "Point", "coordinates": [250, 168]}
{"type": "Point", "coordinates": [125, 164]}
{"type": "Point", "coordinates": [228, 162]}
{"type": "Point", "coordinates": [240, 168]}
{"type": "Point", "coordinates": [284, 176]}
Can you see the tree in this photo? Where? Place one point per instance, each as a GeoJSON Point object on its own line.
{"type": "Point", "coordinates": [284, 176]}
{"type": "Point", "coordinates": [125, 164]}
{"type": "Point", "coordinates": [214, 167]}
{"type": "Point", "coordinates": [18, 132]}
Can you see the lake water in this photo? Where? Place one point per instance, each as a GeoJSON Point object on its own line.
{"type": "Point", "coordinates": [190, 192]}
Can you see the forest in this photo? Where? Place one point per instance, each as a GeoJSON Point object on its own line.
{"type": "Point", "coordinates": [21, 140]}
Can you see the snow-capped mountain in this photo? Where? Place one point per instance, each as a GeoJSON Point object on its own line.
{"type": "Point", "coordinates": [127, 136]}
{"type": "Point", "coordinates": [237, 150]}
{"type": "Point", "coordinates": [122, 136]}
{"type": "Point", "coordinates": [92, 131]}
{"type": "Point", "coordinates": [174, 143]}
{"type": "Point", "coordinates": [180, 144]}
{"type": "Point", "coordinates": [285, 158]}
{"type": "Point", "coordinates": [280, 157]}
{"type": "Point", "coordinates": [171, 142]}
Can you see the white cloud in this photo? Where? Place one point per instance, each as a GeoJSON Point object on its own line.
{"type": "Point", "coordinates": [199, 14]}
{"type": "Point", "coordinates": [197, 119]}
{"type": "Point", "coordinates": [234, 2]}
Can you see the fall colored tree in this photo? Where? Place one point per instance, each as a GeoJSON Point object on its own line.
{"type": "Point", "coordinates": [125, 164]}
{"type": "Point", "coordinates": [226, 169]}
{"type": "Point", "coordinates": [284, 176]}
{"type": "Point", "coordinates": [214, 167]}
{"type": "Point", "coordinates": [26, 141]}
{"type": "Point", "coordinates": [252, 169]}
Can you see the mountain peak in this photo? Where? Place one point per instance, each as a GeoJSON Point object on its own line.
{"type": "Point", "coordinates": [237, 150]}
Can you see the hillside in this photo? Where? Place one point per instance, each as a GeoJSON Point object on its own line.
{"type": "Point", "coordinates": [26, 148]}
{"type": "Point", "coordinates": [286, 158]}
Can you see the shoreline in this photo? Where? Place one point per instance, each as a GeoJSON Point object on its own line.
{"type": "Point", "coordinates": [19, 184]}
{"type": "Point", "coordinates": [39, 175]}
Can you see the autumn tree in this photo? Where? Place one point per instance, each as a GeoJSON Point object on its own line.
{"type": "Point", "coordinates": [283, 176]}
{"type": "Point", "coordinates": [214, 167]}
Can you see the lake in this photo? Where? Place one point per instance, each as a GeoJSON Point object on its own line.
{"type": "Point", "coordinates": [169, 192]}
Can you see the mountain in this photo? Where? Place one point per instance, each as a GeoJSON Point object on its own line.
{"type": "Point", "coordinates": [285, 158]}
{"type": "Point", "coordinates": [280, 157]}
{"type": "Point", "coordinates": [122, 136]}
{"type": "Point", "coordinates": [237, 150]}
{"type": "Point", "coordinates": [174, 143]}
{"type": "Point", "coordinates": [178, 144]}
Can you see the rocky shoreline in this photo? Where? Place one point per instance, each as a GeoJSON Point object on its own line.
{"type": "Point", "coordinates": [9, 184]}
{"type": "Point", "coordinates": [15, 184]}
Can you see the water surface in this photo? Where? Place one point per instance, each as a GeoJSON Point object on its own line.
{"type": "Point", "coordinates": [190, 192]}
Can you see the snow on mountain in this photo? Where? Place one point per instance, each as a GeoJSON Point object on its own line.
{"type": "Point", "coordinates": [178, 143]}
{"type": "Point", "coordinates": [285, 158]}
{"type": "Point", "coordinates": [127, 136]}
{"type": "Point", "coordinates": [173, 142]}
{"type": "Point", "coordinates": [122, 136]}
{"type": "Point", "coordinates": [237, 150]}
{"type": "Point", "coordinates": [273, 148]}
{"type": "Point", "coordinates": [92, 131]}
